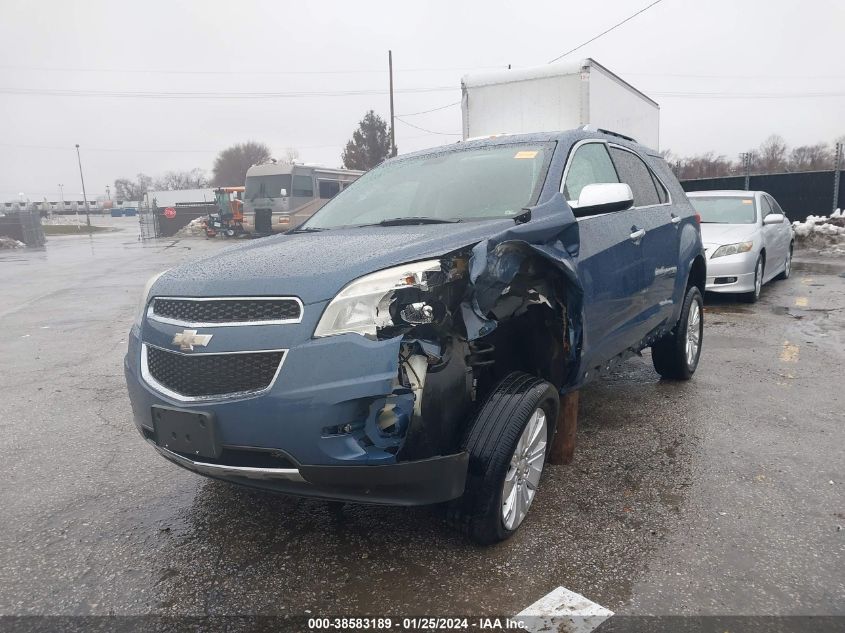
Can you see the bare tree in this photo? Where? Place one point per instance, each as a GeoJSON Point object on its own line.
{"type": "Point", "coordinates": [291, 154]}
{"type": "Point", "coordinates": [126, 189]}
{"type": "Point", "coordinates": [175, 180]}
{"type": "Point", "coordinates": [706, 165]}
{"type": "Point", "coordinates": [771, 157]}
{"type": "Point", "coordinates": [231, 164]}
{"type": "Point", "coordinates": [811, 158]}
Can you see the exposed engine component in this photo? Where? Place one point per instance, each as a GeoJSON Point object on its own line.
{"type": "Point", "coordinates": [417, 313]}
{"type": "Point", "coordinates": [416, 368]}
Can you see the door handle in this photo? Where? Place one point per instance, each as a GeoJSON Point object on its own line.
{"type": "Point", "coordinates": [637, 235]}
{"type": "Point", "coordinates": [676, 219]}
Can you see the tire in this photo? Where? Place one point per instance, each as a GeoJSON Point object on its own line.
{"type": "Point", "coordinates": [787, 266]}
{"type": "Point", "coordinates": [497, 435]}
{"type": "Point", "coordinates": [671, 356]}
{"type": "Point", "coordinates": [754, 295]}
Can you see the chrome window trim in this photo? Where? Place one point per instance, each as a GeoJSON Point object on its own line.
{"type": "Point", "coordinates": [160, 319]}
{"type": "Point", "coordinates": [608, 145]}
{"type": "Point", "coordinates": [173, 395]}
{"type": "Point", "coordinates": [572, 152]}
{"type": "Point", "coordinates": [289, 474]}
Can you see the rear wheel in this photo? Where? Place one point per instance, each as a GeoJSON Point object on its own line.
{"type": "Point", "coordinates": [508, 443]}
{"type": "Point", "coordinates": [676, 354]}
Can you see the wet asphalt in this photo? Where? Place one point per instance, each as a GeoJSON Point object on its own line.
{"type": "Point", "coordinates": [723, 495]}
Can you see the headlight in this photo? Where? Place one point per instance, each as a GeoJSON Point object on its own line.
{"type": "Point", "coordinates": [362, 306]}
{"type": "Point", "coordinates": [145, 297]}
{"type": "Point", "coordinates": [732, 249]}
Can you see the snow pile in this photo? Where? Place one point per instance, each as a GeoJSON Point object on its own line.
{"type": "Point", "coordinates": [822, 232]}
{"type": "Point", "coordinates": [194, 228]}
{"type": "Point", "coordinates": [8, 242]}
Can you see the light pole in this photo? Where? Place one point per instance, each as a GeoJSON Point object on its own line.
{"type": "Point", "coordinates": [108, 192]}
{"type": "Point", "coordinates": [84, 197]}
{"type": "Point", "coordinates": [62, 195]}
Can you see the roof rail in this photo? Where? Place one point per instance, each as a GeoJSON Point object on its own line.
{"type": "Point", "coordinates": [612, 133]}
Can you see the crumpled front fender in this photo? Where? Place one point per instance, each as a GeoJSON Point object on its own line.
{"type": "Point", "coordinates": [552, 236]}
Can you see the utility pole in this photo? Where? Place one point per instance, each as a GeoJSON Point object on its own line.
{"type": "Point", "coordinates": [62, 195]}
{"type": "Point", "coordinates": [837, 171]}
{"type": "Point", "coordinates": [84, 196]}
{"type": "Point", "coordinates": [108, 192]}
{"type": "Point", "coordinates": [746, 163]}
{"type": "Point", "coordinates": [392, 121]}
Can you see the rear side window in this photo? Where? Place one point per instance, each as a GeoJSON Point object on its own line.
{"type": "Point", "coordinates": [591, 164]}
{"type": "Point", "coordinates": [328, 188]}
{"type": "Point", "coordinates": [633, 171]}
{"type": "Point", "coordinates": [776, 207]}
{"type": "Point", "coordinates": [302, 187]}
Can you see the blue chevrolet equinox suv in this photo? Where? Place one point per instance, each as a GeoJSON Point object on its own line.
{"type": "Point", "coordinates": [409, 343]}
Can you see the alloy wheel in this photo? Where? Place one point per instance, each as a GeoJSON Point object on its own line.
{"type": "Point", "coordinates": [693, 333]}
{"type": "Point", "coordinates": [526, 466]}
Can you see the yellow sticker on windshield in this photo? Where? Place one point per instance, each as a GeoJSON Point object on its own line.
{"type": "Point", "coordinates": [747, 201]}
{"type": "Point", "coordinates": [526, 154]}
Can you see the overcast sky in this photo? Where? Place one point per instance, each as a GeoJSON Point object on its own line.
{"type": "Point", "coordinates": [722, 48]}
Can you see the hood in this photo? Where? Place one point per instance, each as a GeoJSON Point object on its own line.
{"type": "Point", "coordinates": [315, 266]}
{"type": "Point", "coordinates": [719, 234]}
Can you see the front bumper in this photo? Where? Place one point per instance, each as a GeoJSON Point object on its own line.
{"type": "Point", "coordinates": [739, 267]}
{"type": "Point", "coordinates": [419, 482]}
{"type": "Point", "coordinates": [325, 386]}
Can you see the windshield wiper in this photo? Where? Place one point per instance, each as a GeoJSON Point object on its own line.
{"type": "Point", "coordinates": [414, 220]}
{"type": "Point", "coordinates": [306, 229]}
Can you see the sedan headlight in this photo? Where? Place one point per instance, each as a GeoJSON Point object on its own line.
{"type": "Point", "coordinates": [362, 307]}
{"type": "Point", "coordinates": [732, 249]}
{"type": "Point", "coordinates": [145, 297]}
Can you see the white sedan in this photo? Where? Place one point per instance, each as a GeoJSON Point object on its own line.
{"type": "Point", "coordinates": [747, 239]}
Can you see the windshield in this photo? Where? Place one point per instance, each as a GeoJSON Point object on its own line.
{"type": "Point", "coordinates": [725, 210]}
{"type": "Point", "coordinates": [474, 184]}
{"type": "Point", "coordinates": [267, 186]}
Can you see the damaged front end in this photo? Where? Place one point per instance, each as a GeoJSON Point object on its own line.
{"type": "Point", "coordinates": [462, 322]}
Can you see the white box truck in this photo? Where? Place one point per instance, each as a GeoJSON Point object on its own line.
{"type": "Point", "coordinates": [557, 97]}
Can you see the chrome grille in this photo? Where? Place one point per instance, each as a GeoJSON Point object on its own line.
{"type": "Point", "coordinates": [196, 376]}
{"type": "Point", "coordinates": [226, 311]}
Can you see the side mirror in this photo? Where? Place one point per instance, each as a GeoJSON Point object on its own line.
{"type": "Point", "coordinates": [774, 218]}
{"type": "Point", "coordinates": [605, 197]}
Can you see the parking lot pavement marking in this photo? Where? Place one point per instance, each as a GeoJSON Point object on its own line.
{"type": "Point", "coordinates": [564, 610]}
{"type": "Point", "coordinates": [789, 353]}
{"type": "Point", "coordinates": [806, 280]}
{"type": "Point", "coordinates": [802, 302]}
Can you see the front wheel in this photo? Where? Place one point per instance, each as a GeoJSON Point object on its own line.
{"type": "Point", "coordinates": [508, 443]}
{"type": "Point", "coordinates": [676, 354]}
{"type": "Point", "coordinates": [787, 265]}
{"type": "Point", "coordinates": [754, 295]}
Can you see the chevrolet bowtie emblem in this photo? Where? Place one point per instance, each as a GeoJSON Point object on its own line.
{"type": "Point", "coordinates": [188, 338]}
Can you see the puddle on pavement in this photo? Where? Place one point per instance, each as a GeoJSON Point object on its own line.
{"type": "Point", "coordinates": [726, 308]}
{"type": "Point", "coordinates": [785, 311]}
{"type": "Point", "coordinates": [823, 268]}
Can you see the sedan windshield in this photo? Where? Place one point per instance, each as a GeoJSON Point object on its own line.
{"type": "Point", "coordinates": [473, 184]}
{"type": "Point", "coordinates": [725, 210]}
